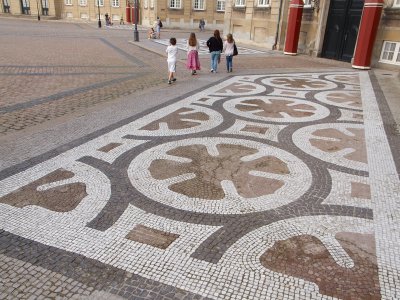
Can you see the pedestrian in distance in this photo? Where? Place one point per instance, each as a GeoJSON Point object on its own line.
{"type": "Point", "coordinates": [215, 46]}
{"type": "Point", "coordinates": [157, 26]}
{"type": "Point", "coordinates": [193, 62]}
{"type": "Point", "coordinates": [202, 24]}
{"type": "Point", "coordinates": [172, 52]}
{"type": "Point", "coordinates": [228, 51]}
{"type": "Point", "coordinates": [151, 34]}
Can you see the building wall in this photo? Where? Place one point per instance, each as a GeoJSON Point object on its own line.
{"type": "Point", "coordinates": [185, 17]}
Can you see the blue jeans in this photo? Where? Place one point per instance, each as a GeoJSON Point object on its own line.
{"type": "Point", "coordinates": [229, 59]}
{"type": "Point", "coordinates": [214, 59]}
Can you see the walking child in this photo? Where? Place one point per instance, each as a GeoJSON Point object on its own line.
{"type": "Point", "coordinates": [193, 62]}
{"type": "Point", "coordinates": [172, 51]}
{"type": "Point", "coordinates": [228, 50]}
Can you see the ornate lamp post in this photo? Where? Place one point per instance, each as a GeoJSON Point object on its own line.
{"type": "Point", "coordinates": [135, 31]}
{"type": "Point", "coordinates": [98, 8]}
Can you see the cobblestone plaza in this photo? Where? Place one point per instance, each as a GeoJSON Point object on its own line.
{"type": "Point", "coordinates": [277, 181]}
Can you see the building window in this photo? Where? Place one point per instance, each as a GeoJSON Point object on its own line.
{"type": "Point", "coordinates": [307, 4]}
{"type": "Point", "coordinates": [82, 3]}
{"type": "Point", "coordinates": [198, 5]}
{"type": "Point", "coordinates": [146, 4]}
{"type": "Point", "coordinates": [220, 5]}
{"type": "Point", "coordinates": [6, 6]}
{"type": "Point", "coordinates": [396, 3]}
{"type": "Point", "coordinates": [84, 16]}
{"type": "Point", "coordinates": [99, 2]}
{"type": "Point", "coordinates": [115, 3]}
{"type": "Point", "coordinates": [69, 15]}
{"type": "Point", "coordinates": [391, 53]}
{"type": "Point", "coordinates": [263, 3]}
{"type": "Point", "coordinates": [68, 2]}
{"type": "Point", "coordinates": [240, 2]}
{"type": "Point", "coordinates": [175, 3]}
{"type": "Point", "coordinates": [151, 3]}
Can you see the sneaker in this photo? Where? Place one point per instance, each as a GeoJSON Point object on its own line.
{"type": "Point", "coordinates": [230, 70]}
{"type": "Point", "coordinates": [194, 72]}
{"type": "Point", "coordinates": [173, 79]}
{"type": "Point", "coordinates": [212, 71]}
{"type": "Point", "coordinates": [169, 81]}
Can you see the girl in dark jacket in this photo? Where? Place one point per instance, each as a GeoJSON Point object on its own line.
{"type": "Point", "coordinates": [215, 46]}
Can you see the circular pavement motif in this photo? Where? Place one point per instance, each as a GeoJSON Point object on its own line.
{"type": "Point", "coordinates": [175, 120]}
{"type": "Point", "coordinates": [219, 175]}
{"type": "Point", "coordinates": [240, 88]}
{"type": "Point", "coordinates": [299, 83]}
{"type": "Point", "coordinates": [276, 109]}
{"type": "Point", "coordinates": [341, 144]}
{"type": "Point", "coordinates": [345, 78]}
{"type": "Point", "coordinates": [343, 98]}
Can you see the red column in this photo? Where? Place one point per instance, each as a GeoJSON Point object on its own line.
{"type": "Point", "coordinates": [293, 29]}
{"type": "Point", "coordinates": [367, 33]}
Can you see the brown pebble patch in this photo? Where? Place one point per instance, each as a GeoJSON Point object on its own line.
{"type": "Point", "coordinates": [307, 258]}
{"type": "Point", "coordinates": [150, 236]}
{"type": "Point", "coordinates": [61, 198]}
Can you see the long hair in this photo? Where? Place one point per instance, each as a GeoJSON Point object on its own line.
{"type": "Point", "coordinates": [192, 40]}
{"type": "Point", "coordinates": [216, 34]}
{"type": "Point", "coordinates": [229, 38]}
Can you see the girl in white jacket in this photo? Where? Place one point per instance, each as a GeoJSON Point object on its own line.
{"type": "Point", "coordinates": [228, 50]}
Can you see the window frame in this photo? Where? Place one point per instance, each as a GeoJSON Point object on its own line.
{"type": "Point", "coordinates": [199, 1]}
{"type": "Point", "coordinates": [68, 2]}
{"type": "Point", "coordinates": [266, 4]}
{"type": "Point", "coordinates": [97, 2]}
{"type": "Point", "coordinates": [396, 53]}
{"type": "Point", "coordinates": [175, 4]}
{"type": "Point", "coordinates": [82, 3]}
{"type": "Point", "coordinates": [224, 3]}
{"type": "Point", "coordinates": [308, 4]}
{"type": "Point", "coordinates": [115, 3]}
{"type": "Point", "coordinates": [240, 3]}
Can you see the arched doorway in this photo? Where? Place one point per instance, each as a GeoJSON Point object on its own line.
{"type": "Point", "coordinates": [342, 29]}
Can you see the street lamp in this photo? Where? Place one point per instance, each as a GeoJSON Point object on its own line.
{"type": "Point", "coordinates": [98, 8]}
{"type": "Point", "coordinates": [135, 31]}
{"type": "Point", "coordinates": [37, 6]}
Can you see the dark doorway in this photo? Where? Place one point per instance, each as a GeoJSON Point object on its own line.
{"type": "Point", "coordinates": [342, 29]}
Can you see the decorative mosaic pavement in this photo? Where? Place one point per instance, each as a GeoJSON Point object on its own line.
{"type": "Point", "coordinates": [259, 187]}
{"type": "Point", "coordinates": [182, 45]}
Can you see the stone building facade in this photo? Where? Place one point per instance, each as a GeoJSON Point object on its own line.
{"type": "Point", "coordinates": [184, 14]}
{"type": "Point", "coordinates": [329, 28]}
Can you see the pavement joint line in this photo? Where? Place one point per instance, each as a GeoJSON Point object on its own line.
{"type": "Point", "coordinates": [58, 96]}
{"type": "Point", "coordinates": [130, 57]}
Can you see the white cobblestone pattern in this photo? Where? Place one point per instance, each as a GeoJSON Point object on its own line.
{"type": "Point", "coordinates": [238, 275]}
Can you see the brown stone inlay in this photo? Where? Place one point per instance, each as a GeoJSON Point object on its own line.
{"type": "Point", "coordinates": [307, 258]}
{"type": "Point", "coordinates": [299, 83]}
{"type": "Point", "coordinates": [150, 236]}
{"type": "Point", "coordinates": [275, 108]}
{"type": "Point", "coordinates": [342, 141]}
{"type": "Point", "coordinates": [109, 147]}
{"type": "Point", "coordinates": [360, 190]}
{"type": "Point", "coordinates": [179, 120]}
{"type": "Point", "coordinates": [60, 198]}
{"type": "Point", "coordinates": [256, 129]}
{"type": "Point", "coordinates": [350, 98]}
{"type": "Point", "coordinates": [358, 116]}
{"type": "Point", "coordinates": [238, 87]}
{"type": "Point", "coordinates": [210, 170]}
{"type": "Point", "coordinates": [347, 79]}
